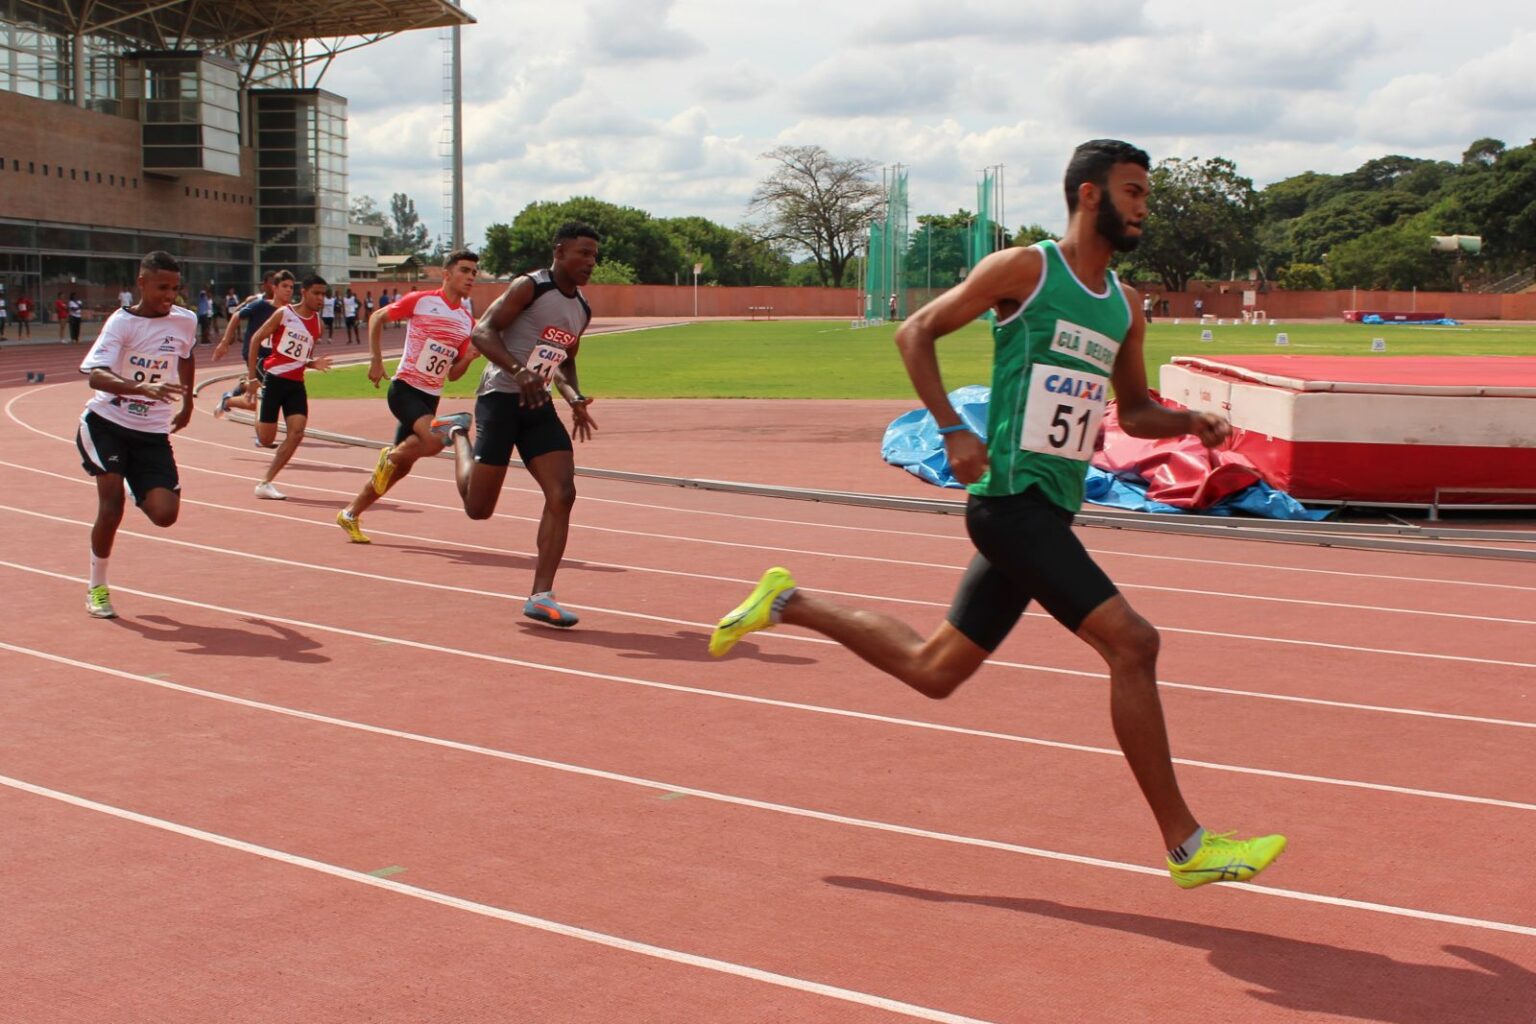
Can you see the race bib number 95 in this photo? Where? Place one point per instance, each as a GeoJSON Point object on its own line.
{"type": "Point", "coordinates": [1063, 411]}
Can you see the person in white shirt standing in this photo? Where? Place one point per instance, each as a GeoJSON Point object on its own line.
{"type": "Point", "coordinates": [140, 364]}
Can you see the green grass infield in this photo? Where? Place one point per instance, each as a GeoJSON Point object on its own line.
{"type": "Point", "coordinates": [829, 359]}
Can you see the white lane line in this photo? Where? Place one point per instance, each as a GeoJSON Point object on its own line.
{"type": "Point", "coordinates": [408, 582]}
{"type": "Point", "coordinates": [820, 709]}
{"type": "Point", "coordinates": [950, 569]}
{"type": "Point", "coordinates": [801, 812]}
{"type": "Point", "coordinates": [568, 931]}
{"type": "Point", "coordinates": [1026, 666]}
{"type": "Point", "coordinates": [1203, 562]}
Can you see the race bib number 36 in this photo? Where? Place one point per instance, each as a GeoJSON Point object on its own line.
{"type": "Point", "coordinates": [434, 359]}
{"type": "Point", "coordinates": [1063, 412]}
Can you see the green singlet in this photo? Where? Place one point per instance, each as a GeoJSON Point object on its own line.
{"type": "Point", "coordinates": [1051, 364]}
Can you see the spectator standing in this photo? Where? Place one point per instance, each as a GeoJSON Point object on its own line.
{"type": "Point", "coordinates": [76, 310]}
{"type": "Point", "coordinates": [24, 316]}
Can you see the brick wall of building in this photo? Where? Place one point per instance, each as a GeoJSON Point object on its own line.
{"type": "Point", "coordinates": [73, 166]}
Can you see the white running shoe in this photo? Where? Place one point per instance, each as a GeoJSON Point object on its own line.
{"type": "Point", "coordinates": [266, 490]}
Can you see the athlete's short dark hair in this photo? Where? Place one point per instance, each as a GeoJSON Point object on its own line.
{"type": "Point", "coordinates": [460, 254]}
{"type": "Point", "coordinates": [279, 276]}
{"type": "Point", "coordinates": [312, 280]}
{"type": "Point", "coordinates": [268, 276]}
{"type": "Point", "coordinates": [574, 229]}
{"type": "Point", "coordinates": [1092, 161]}
{"type": "Point", "coordinates": [159, 260]}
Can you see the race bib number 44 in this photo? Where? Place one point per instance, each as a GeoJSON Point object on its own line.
{"type": "Point", "coordinates": [1063, 411]}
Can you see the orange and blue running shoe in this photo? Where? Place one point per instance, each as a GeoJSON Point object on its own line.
{"type": "Point", "coordinates": [543, 608]}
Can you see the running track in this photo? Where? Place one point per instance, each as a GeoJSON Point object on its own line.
{"type": "Point", "coordinates": [302, 780]}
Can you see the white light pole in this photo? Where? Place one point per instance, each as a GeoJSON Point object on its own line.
{"type": "Point", "coordinates": [696, 268]}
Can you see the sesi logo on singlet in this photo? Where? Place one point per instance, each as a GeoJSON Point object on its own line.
{"type": "Point", "coordinates": [551, 351]}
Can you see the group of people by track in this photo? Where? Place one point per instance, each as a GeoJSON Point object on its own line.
{"type": "Point", "coordinates": [1066, 329]}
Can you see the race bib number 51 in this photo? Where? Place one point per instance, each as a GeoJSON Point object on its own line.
{"type": "Point", "coordinates": [1063, 412]}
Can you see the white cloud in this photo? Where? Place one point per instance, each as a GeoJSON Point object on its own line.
{"type": "Point", "coordinates": [667, 105]}
{"type": "Point", "coordinates": [637, 30]}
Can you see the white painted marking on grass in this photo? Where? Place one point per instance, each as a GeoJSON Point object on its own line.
{"type": "Point", "coordinates": [288, 563]}
{"type": "Point", "coordinates": [820, 709]}
{"type": "Point", "coordinates": [498, 913]}
{"type": "Point", "coordinates": [762, 805]}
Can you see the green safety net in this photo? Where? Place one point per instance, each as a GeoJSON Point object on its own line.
{"type": "Point", "coordinates": [885, 279]}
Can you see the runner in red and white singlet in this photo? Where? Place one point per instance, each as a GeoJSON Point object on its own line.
{"type": "Point", "coordinates": [294, 331]}
{"type": "Point", "coordinates": [437, 349]}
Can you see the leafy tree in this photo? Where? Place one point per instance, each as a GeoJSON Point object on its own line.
{"type": "Point", "coordinates": [613, 272]}
{"type": "Point", "coordinates": [1029, 234]}
{"type": "Point", "coordinates": [1202, 218]}
{"type": "Point", "coordinates": [818, 203]}
{"type": "Point", "coordinates": [1484, 152]}
{"type": "Point", "coordinates": [937, 252]}
{"type": "Point", "coordinates": [365, 210]}
{"type": "Point", "coordinates": [1397, 256]}
{"type": "Point", "coordinates": [404, 233]}
{"type": "Point", "coordinates": [1346, 216]}
{"type": "Point", "coordinates": [1309, 277]}
{"type": "Point", "coordinates": [730, 256]}
{"type": "Point", "coordinates": [629, 235]}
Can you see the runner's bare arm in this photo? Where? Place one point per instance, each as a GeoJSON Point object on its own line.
{"type": "Point", "coordinates": [263, 332]}
{"type": "Point", "coordinates": [461, 365]}
{"type": "Point", "coordinates": [376, 344]}
{"type": "Point", "coordinates": [1000, 282]}
{"type": "Point", "coordinates": [186, 370]}
{"type": "Point", "coordinates": [1140, 416]}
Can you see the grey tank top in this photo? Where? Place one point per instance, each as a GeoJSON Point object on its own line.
{"type": "Point", "coordinates": [542, 336]}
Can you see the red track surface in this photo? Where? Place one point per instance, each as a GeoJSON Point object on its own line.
{"type": "Point", "coordinates": [786, 834]}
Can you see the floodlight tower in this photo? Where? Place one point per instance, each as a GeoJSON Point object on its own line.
{"type": "Point", "coordinates": [453, 143]}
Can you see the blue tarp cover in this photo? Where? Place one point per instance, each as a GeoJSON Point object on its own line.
{"type": "Point", "coordinates": [1375, 318]}
{"type": "Point", "coordinates": [912, 442]}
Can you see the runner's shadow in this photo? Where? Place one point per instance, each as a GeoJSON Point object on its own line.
{"type": "Point", "coordinates": [684, 645]}
{"type": "Point", "coordinates": [493, 559]}
{"type": "Point", "coordinates": [1302, 976]}
{"type": "Point", "coordinates": [280, 642]}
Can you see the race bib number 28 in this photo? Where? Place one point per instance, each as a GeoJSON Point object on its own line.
{"type": "Point", "coordinates": [1063, 411]}
{"type": "Point", "coordinates": [295, 345]}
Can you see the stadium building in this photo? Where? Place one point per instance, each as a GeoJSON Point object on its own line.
{"type": "Point", "coordinates": [191, 126]}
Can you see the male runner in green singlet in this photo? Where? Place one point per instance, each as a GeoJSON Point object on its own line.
{"type": "Point", "coordinates": [1066, 330]}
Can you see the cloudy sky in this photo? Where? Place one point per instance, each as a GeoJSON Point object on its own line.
{"type": "Point", "coordinates": [668, 105]}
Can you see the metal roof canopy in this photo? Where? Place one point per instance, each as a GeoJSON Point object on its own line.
{"type": "Point", "coordinates": [255, 32]}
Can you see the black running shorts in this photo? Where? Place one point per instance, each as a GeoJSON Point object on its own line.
{"type": "Point", "coordinates": [143, 459]}
{"type": "Point", "coordinates": [409, 405]}
{"type": "Point", "coordinates": [279, 394]}
{"type": "Point", "coordinates": [1025, 551]}
{"type": "Point", "coordinates": [501, 422]}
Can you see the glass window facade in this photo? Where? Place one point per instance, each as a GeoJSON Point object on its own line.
{"type": "Point", "coordinates": [189, 105]}
{"type": "Point", "coordinates": [44, 260]}
{"type": "Point", "coordinates": [301, 180]}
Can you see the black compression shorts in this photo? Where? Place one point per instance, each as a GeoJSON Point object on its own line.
{"type": "Point", "coordinates": [279, 394]}
{"type": "Point", "coordinates": [501, 422]}
{"type": "Point", "coordinates": [143, 459]}
{"type": "Point", "coordinates": [409, 405]}
{"type": "Point", "coordinates": [1025, 551]}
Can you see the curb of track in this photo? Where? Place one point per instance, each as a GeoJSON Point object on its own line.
{"type": "Point", "coordinates": [1402, 537]}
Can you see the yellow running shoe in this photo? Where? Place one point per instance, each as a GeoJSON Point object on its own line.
{"type": "Point", "coordinates": [383, 472]}
{"type": "Point", "coordinates": [353, 528]}
{"type": "Point", "coordinates": [753, 614]}
{"type": "Point", "coordinates": [1224, 859]}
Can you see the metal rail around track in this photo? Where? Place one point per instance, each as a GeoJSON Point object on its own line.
{"type": "Point", "coordinates": [1400, 537]}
